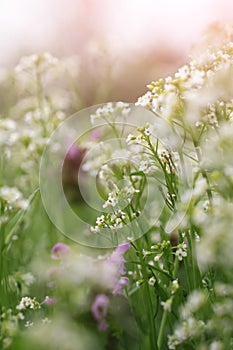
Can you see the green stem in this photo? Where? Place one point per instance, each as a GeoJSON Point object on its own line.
{"type": "Point", "coordinates": [187, 274]}
{"type": "Point", "coordinates": [176, 266]}
{"type": "Point", "coordinates": [162, 328]}
{"type": "Point", "coordinates": [149, 306]}
{"type": "Point", "coordinates": [165, 313]}
{"type": "Point", "coordinates": [203, 172]}
{"type": "Point", "coordinates": [195, 269]}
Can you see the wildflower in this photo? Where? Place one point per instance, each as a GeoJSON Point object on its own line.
{"type": "Point", "coordinates": [145, 100]}
{"type": "Point", "coordinates": [46, 320]}
{"type": "Point", "coordinates": [10, 194]}
{"type": "Point", "coordinates": [194, 302]}
{"type": "Point", "coordinates": [167, 304]}
{"type": "Point", "coordinates": [139, 283]}
{"type": "Point", "coordinates": [112, 199]}
{"type": "Point", "coordinates": [197, 237]}
{"type": "Point", "coordinates": [117, 261]}
{"type": "Point", "coordinates": [130, 139]}
{"type": "Point", "coordinates": [148, 129]}
{"type": "Point", "coordinates": [157, 257]}
{"type": "Point", "coordinates": [21, 204]}
{"type": "Point", "coordinates": [7, 124]}
{"type": "Point", "coordinates": [49, 301]}
{"type": "Point", "coordinates": [122, 105]}
{"type": "Point", "coordinates": [28, 278]}
{"type": "Point", "coordinates": [122, 282]}
{"type": "Point", "coordinates": [173, 342]}
{"type": "Point", "coordinates": [181, 252]}
{"type": "Point", "coordinates": [60, 250]}
{"type": "Point", "coordinates": [28, 303]}
{"type": "Point", "coordinates": [175, 286]}
{"type": "Point", "coordinates": [146, 252]}
{"type": "Point", "coordinates": [216, 345]}
{"type": "Point", "coordinates": [20, 316]}
{"type": "Point", "coordinates": [122, 248]}
{"type": "Point", "coordinates": [95, 229]}
{"type": "Point", "coordinates": [152, 281]}
{"type": "Point", "coordinates": [99, 311]}
{"type": "Point", "coordinates": [130, 191]}
{"type": "Point", "coordinates": [100, 221]}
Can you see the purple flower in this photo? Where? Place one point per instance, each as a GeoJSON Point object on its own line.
{"type": "Point", "coordinates": [95, 135]}
{"type": "Point", "coordinates": [122, 282]}
{"type": "Point", "coordinates": [99, 310]}
{"type": "Point", "coordinates": [72, 163]}
{"type": "Point", "coordinates": [60, 250]}
{"type": "Point", "coordinates": [117, 259]}
{"type": "Point", "coordinates": [118, 262]}
{"type": "Point", "coordinates": [122, 248]}
{"type": "Point", "coordinates": [50, 301]}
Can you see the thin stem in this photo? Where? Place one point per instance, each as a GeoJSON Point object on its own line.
{"type": "Point", "coordinates": [149, 306]}
{"type": "Point", "coordinates": [176, 266]}
{"type": "Point", "coordinates": [162, 328]}
{"type": "Point", "coordinates": [203, 172]}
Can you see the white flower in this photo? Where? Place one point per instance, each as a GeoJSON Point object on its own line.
{"type": "Point", "coordinates": [21, 204]}
{"type": "Point", "coordinates": [20, 316]}
{"type": "Point", "coordinates": [130, 139]}
{"type": "Point", "coordinates": [181, 252]}
{"type": "Point", "coordinates": [93, 117]}
{"type": "Point", "coordinates": [28, 278]}
{"type": "Point", "coordinates": [95, 229]}
{"type": "Point", "coordinates": [100, 220]}
{"type": "Point", "coordinates": [167, 304]}
{"type": "Point", "coordinates": [216, 345]}
{"type": "Point", "coordinates": [125, 111]}
{"type": "Point", "coordinates": [130, 190]}
{"type": "Point", "coordinates": [121, 104]}
{"type": "Point", "coordinates": [144, 100]}
{"type": "Point", "coordinates": [10, 194]}
{"type": "Point", "coordinates": [152, 281]}
{"type": "Point", "coordinates": [112, 200]}
{"type": "Point", "coordinates": [27, 302]}
{"type": "Point", "coordinates": [194, 302]}
{"type": "Point", "coordinates": [7, 124]}
{"type": "Point", "coordinates": [175, 286]}
{"type": "Point", "coordinates": [148, 129]}
{"type": "Point", "coordinates": [46, 320]}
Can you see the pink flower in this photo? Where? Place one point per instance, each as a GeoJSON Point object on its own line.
{"type": "Point", "coordinates": [60, 250]}
{"type": "Point", "coordinates": [121, 283]}
{"type": "Point", "coordinates": [72, 163]}
{"type": "Point", "coordinates": [122, 248]}
{"type": "Point", "coordinates": [95, 135]}
{"type": "Point", "coordinates": [118, 262]}
{"type": "Point", "coordinates": [99, 310]}
{"type": "Point", "coordinates": [50, 301]}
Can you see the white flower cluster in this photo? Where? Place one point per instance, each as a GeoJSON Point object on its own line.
{"type": "Point", "coordinates": [13, 198]}
{"type": "Point", "coordinates": [9, 326]}
{"type": "Point", "coordinates": [169, 97]}
{"type": "Point", "coordinates": [35, 61]}
{"type": "Point", "coordinates": [28, 303]}
{"type": "Point", "coordinates": [112, 221]}
{"type": "Point", "coordinates": [111, 112]}
{"type": "Point", "coordinates": [181, 251]}
{"type": "Point", "coordinates": [188, 329]}
{"type": "Point", "coordinates": [39, 102]}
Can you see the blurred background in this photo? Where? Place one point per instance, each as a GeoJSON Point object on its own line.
{"type": "Point", "coordinates": [120, 45]}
